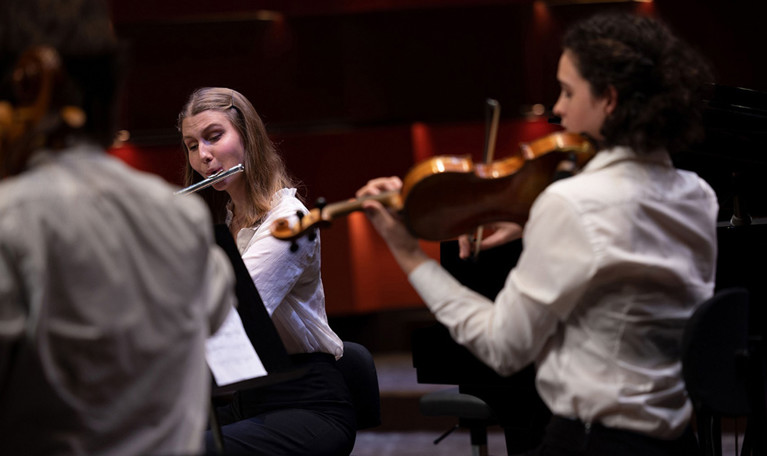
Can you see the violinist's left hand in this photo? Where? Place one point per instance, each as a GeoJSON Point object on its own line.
{"type": "Point", "coordinates": [388, 223]}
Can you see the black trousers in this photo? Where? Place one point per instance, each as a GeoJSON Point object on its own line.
{"type": "Point", "coordinates": [312, 415]}
{"type": "Point", "coordinates": [566, 437]}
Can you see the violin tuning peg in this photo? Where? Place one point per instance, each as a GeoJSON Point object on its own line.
{"type": "Point", "coordinates": [321, 203]}
{"type": "Point", "coordinates": [312, 235]}
{"type": "Point", "coordinates": [293, 246]}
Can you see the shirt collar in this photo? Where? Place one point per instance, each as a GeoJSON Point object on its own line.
{"type": "Point", "coordinates": [611, 156]}
{"type": "Point", "coordinates": [82, 148]}
{"type": "Point", "coordinates": [278, 195]}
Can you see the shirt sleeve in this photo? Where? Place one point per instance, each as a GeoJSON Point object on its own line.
{"type": "Point", "coordinates": [12, 312]}
{"type": "Point", "coordinates": [511, 332]}
{"type": "Point", "coordinates": [273, 265]}
{"type": "Point", "coordinates": [560, 257]}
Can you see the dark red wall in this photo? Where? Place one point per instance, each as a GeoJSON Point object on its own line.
{"type": "Point", "coordinates": [352, 90]}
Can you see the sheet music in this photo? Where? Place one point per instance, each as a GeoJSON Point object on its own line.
{"type": "Point", "coordinates": [230, 355]}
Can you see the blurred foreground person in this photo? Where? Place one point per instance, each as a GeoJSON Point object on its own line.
{"type": "Point", "coordinates": [109, 284]}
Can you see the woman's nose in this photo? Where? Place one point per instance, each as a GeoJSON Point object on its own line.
{"type": "Point", "coordinates": [557, 109]}
{"type": "Point", "coordinates": [205, 153]}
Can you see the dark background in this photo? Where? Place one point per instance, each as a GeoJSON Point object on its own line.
{"type": "Point", "coordinates": [309, 63]}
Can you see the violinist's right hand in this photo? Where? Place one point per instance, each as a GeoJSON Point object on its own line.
{"type": "Point", "coordinates": [403, 245]}
{"type": "Point", "coordinates": [499, 233]}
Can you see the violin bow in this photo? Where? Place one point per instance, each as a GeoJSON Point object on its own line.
{"type": "Point", "coordinates": [492, 116]}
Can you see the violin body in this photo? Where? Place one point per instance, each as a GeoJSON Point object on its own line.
{"type": "Point", "coordinates": [447, 196]}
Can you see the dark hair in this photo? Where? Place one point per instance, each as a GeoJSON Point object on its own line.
{"type": "Point", "coordinates": [658, 79]}
{"type": "Point", "coordinates": [80, 31]}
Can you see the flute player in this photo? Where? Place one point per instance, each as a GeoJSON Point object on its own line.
{"type": "Point", "coordinates": [312, 415]}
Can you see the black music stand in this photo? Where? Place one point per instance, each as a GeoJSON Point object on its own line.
{"type": "Point", "coordinates": [259, 329]}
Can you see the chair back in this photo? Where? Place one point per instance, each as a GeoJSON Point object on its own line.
{"type": "Point", "coordinates": [359, 371]}
{"type": "Point", "coordinates": [715, 354]}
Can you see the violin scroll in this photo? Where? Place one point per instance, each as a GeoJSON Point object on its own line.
{"type": "Point", "coordinates": [284, 230]}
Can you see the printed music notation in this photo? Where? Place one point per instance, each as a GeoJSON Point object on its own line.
{"type": "Point", "coordinates": [230, 355]}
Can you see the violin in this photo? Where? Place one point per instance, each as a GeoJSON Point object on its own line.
{"type": "Point", "coordinates": [446, 196]}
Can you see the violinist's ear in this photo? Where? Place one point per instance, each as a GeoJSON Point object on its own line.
{"type": "Point", "coordinates": [611, 99]}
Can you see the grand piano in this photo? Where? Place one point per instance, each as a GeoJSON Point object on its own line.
{"type": "Point", "coordinates": [733, 159]}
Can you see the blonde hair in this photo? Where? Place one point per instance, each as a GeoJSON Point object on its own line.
{"type": "Point", "coordinates": [265, 171]}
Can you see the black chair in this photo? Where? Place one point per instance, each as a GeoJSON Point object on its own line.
{"type": "Point", "coordinates": [359, 371]}
{"type": "Point", "coordinates": [472, 413]}
{"type": "Point", "coordinates": [717, 366]}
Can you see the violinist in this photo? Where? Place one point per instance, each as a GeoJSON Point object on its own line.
{"type": "Point", "coordinates": [312, 415]}
{"type": "Point", "coordinates": [615, 258]}
{"type": "Point", "coordinates": [109, 284]}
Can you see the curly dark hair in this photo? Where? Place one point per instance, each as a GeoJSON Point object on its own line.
{"type": "Point", "coordinates": [658, 78]}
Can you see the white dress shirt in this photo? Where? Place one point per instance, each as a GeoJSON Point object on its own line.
{"type": "Point", "coordinates": [109, 287]}
{"type": "Point", "coordinates": [289, 282]}
{"type": "Point", "coordinates": [615, 260]}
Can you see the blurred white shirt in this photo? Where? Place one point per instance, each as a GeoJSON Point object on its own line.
{"type": "Point", "coordinates": [109, 287]}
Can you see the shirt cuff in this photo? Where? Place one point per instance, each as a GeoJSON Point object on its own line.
{"type": "Point", "coordinates": [434, 284]}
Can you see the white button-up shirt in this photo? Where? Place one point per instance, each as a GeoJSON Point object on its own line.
{"type": "Point", "coordinates": [615, 260]}
{"type": "Point", "coordinates": [289, 282]}
{"type": "Point", "coordinates": [109, 287]}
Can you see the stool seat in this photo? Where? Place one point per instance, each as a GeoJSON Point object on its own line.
{"type": "Point", "coordinates": [451, 402]}
{"type": "Point", "coordinates": [472, 413]}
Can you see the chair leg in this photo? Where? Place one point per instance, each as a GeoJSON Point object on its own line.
{"type": "Point", "coordinates": [716, 436]}
{"type": "Point", "coordinates": [709, 434]}
{"type": "Point", "coordinates": [478, 434]}
{"type": "Point", "coordinates": [479, 450]}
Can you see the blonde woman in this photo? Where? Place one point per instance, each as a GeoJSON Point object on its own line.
{"type": "Point", "coordinates": [312, 415]}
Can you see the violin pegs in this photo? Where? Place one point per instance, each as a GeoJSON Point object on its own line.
{"type": "Point", "coordinates": [293, 246]}
{"type": "Point", "coordinates": [320, 204]}
{"type": "Point", "coordinates": [300, 215]}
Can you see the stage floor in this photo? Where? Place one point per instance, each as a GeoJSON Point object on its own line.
{"type": "Point", "coordinates": [404, 432]}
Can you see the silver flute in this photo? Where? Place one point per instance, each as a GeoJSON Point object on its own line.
{"type": "Point", "coordinates": [211, 180]}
